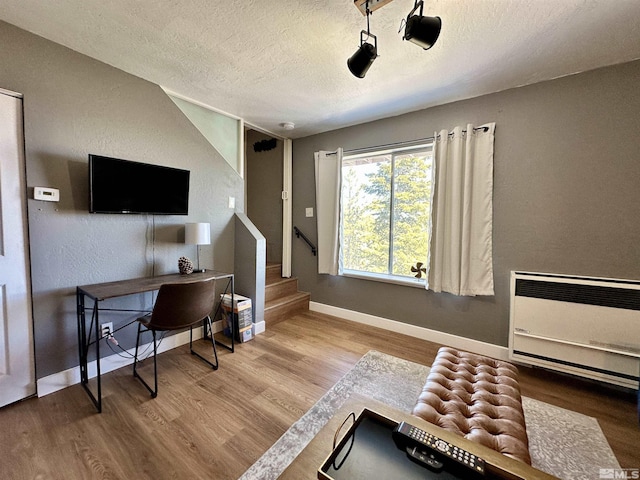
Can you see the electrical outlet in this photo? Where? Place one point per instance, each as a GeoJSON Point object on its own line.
{"type": "Point", "coordinates": [106, 329]}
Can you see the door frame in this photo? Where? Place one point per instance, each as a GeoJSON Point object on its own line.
{"type": "Point", "coordinates": [287, 201]}
{"type": "Point", "coordinates": [31, 388]}
{"type": "Point", "coordinates": [286, 196]}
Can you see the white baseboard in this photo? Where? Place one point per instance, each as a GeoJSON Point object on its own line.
{"type": "Point", "coordinates": [57, 381]}
{"type": "Point", "coordinates": [462, 343]}
{"type": "Point", "coordinates": [259, 327]}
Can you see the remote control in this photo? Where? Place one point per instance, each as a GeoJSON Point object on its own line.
{"type": "Point", "coordinates": [406, 431]}
{"type": "Point", "coordinates": [426, 458]}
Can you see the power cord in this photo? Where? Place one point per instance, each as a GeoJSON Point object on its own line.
{"type": "Point", "coordinates": [112, 342]}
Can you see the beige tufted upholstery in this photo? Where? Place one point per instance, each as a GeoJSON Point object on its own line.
{"type": "Point", "coordinates": [476, 397]}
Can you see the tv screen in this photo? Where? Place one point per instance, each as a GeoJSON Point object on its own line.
{"type": "Point", "coordinates": [123, 186]}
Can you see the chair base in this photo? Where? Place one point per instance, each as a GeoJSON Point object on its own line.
{"type": "Point", "coordinates": [154, 391]}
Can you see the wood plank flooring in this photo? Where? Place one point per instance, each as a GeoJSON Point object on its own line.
{"type": "Point", "coordinates": [215, 424]}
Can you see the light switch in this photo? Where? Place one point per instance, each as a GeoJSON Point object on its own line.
{"type": "Point", "coordinates": [309, 211]}
{"type": "Point", "coordinates": [232, 202]}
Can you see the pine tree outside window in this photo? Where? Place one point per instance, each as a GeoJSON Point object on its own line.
{"type": "Point", "coordinates": [386, 206]}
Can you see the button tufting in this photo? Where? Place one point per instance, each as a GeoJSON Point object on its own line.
{"type": "Point", "coordinates": [476, 397]}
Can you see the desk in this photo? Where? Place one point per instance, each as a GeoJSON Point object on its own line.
{"type": "Point", "coordinates": [103, 291]}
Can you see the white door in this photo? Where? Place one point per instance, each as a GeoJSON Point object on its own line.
{"type": "Point", "coordinates": [17, 370]}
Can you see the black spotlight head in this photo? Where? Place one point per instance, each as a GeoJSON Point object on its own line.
{"type": "Point", "coordinates": [360, 61]}
{"type": "Point", "coordinates": [422, 31]}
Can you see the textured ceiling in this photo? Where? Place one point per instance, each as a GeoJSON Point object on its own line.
{"type": "Point", "coordinates": [275, 61]}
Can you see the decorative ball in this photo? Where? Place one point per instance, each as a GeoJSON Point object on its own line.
{"type": "Point", "coordinates": [185, 266]}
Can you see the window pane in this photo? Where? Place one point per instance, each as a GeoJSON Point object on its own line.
{"type": "Point", "coordinates": [385, 212]}
{"type": "Point", "coordinates": [366, 193]}
{"type": "Point", "coordinates": [412, 195]}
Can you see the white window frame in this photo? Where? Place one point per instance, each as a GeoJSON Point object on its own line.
{"type": "Point", "coordinates": [379, 151]}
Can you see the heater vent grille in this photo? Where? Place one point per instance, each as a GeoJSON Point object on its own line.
{"type": "Point", "coordinates": [614, 297]}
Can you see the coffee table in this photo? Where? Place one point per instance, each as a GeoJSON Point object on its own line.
{"type": "Point", "coordinates": [307, 463]}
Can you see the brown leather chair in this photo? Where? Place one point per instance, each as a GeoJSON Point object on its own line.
{"type": "Point", "coordinates": [179, 306]}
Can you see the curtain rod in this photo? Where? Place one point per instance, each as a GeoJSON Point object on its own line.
{"type": "Point", "coordinates": [399, 144]}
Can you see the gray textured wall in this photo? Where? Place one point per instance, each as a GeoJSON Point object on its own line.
{"type": "Point", "coordinates": [73, 106]}
{"type": "Point", "coordinates": [264, 192]}
{"type": "Point", "coordinates": [566, 195]}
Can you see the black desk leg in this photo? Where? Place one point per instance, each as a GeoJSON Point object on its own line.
{"type": "Point", "coordinates": [85, 343]}
{"type": "Point", "coordinates": [96, 326]}
{"type": "Point", "coordinates": [82, 336]}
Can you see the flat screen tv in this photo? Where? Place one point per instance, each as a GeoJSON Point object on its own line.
{"type": "Point", "coordinates": [123, 186]}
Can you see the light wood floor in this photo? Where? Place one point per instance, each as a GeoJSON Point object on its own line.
{"type": "Point", "coordinates": [215, 424]}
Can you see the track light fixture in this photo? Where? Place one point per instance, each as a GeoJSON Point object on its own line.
{"type": "Point", "coordinates": [418, 29]}
{"type": "Point", "coordinates": [360, 61]}
{"type": "Point", "coordinates": [423, 31]}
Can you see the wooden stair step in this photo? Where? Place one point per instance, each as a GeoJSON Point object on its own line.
{"type": "Point", "coordinates": [278, 309]}
{"type": "Point", "coordinates": [273, 273]}
{"type": "Point", "coordinates": [282, 288]}
{"type": "Point", "coordinates": [282, 298]}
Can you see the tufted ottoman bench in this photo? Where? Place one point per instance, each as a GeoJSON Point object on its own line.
{"type": "Point", "coordinates": [476, 397]}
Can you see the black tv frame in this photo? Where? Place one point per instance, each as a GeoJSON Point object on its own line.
{"type": "Point", "coordinates": [128, 187]}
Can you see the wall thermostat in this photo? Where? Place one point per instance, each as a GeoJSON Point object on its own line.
{"type": "Point", "coordinates": [46, 194]}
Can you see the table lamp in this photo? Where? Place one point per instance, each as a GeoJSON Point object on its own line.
{"type": "Point", "coordinates": [197, 234]}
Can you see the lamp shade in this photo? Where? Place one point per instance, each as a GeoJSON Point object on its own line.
{"type": "Point", "coordinates": [197, 233]}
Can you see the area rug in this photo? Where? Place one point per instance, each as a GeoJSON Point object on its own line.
{"type": "Point", "coordinates": [563, 443]}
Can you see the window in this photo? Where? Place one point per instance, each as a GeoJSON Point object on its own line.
{"type": "Point", "coordinates": [386, 199]}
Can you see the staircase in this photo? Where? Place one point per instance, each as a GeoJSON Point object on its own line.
{"type": "Point", "coordinates": [281, 296]}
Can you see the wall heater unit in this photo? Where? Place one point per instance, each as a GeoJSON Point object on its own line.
{"type": "Point", "coordinates": [579, 325]}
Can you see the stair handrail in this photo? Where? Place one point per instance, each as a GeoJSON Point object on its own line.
{"type": "Point", "coordinates": [299, 234]}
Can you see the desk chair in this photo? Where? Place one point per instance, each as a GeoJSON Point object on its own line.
{"type": "Point", "coordinates": [178, 306]}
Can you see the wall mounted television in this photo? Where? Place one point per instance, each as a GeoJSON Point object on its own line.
{"type": "Point", "coordinates": [124, 186]}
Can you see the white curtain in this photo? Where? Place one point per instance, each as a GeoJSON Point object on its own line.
{"type": "Point", "coordinates": [328, 167]}
{"type": "Point", "coordinates": [461, 260]}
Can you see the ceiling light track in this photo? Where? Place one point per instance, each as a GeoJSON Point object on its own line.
{"type": "Point", "coordinates": [372, 5]}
